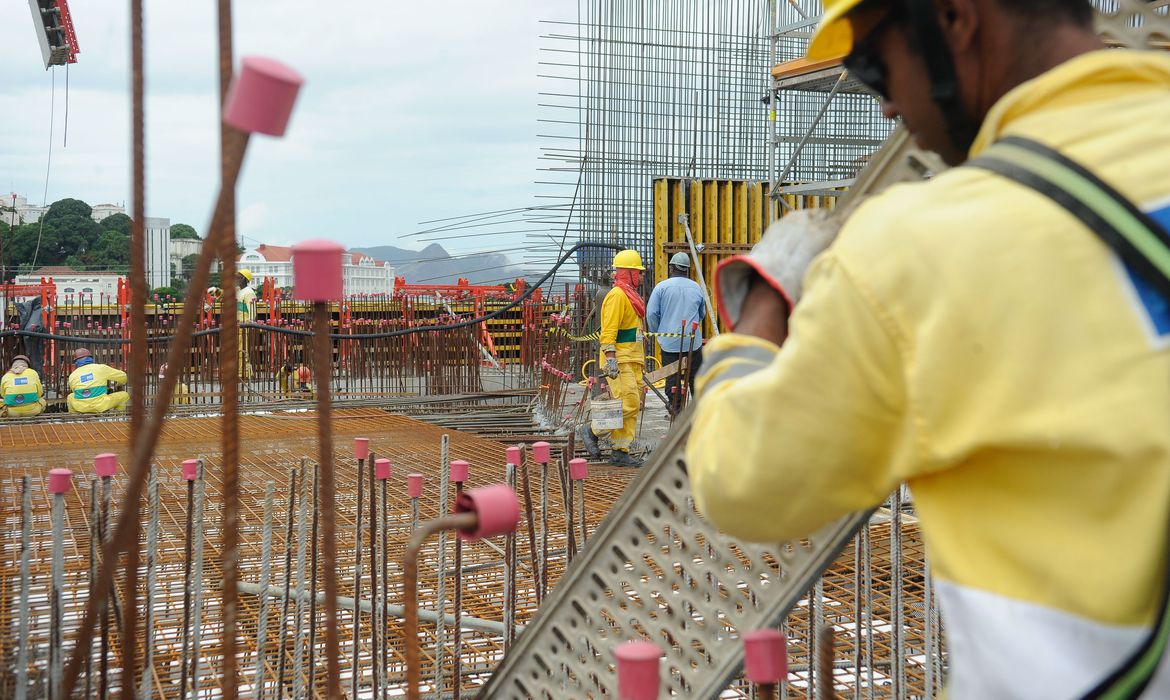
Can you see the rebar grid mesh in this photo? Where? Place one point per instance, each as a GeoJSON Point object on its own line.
{"type": "Point", "coordinates": [273, 445]}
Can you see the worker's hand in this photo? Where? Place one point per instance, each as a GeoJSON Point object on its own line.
{"type": "Point", "coordinates": [779, 261]}
{"type": "Point", "coordinates": [765, 313]}
{"type": "Point", "coordinates": [611, 367]}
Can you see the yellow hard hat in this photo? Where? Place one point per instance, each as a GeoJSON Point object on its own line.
{"type": "Point", "coordinates": [628, 259]}
{"type": "Point", "coordinates": [247, 274]}
{"type": "Point", "coordinates": [834, 35]}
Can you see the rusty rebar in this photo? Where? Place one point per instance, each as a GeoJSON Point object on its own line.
{"type": "Point", "coordinates": [137, 374]}
{"type": "Point", "coordinates": [455, 521]}
{"type": "Point", "coordinates": [147, 438]}
{"type": "Point", "coordinates": [323, 350]}
{"type": "Point", "coordinates": [357, 574]}
{"type": "Point", "coordinates": [229, 375]}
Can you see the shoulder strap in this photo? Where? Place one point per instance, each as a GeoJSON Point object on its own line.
{"type": "Point", "coordinates": [1145, 247]}
{"type": "Point", "coordinates": [1132, 234]}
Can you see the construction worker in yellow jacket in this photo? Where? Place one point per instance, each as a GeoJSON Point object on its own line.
{"type": "Point", "coordinates": [970, 337]}
{"type": "Point", "coordinates": [21, 390]}
{"type": "Point", "coordinates": [622, 357]}
{"type": "Point", "coordinates": [245, 313]}
{"type": "Point", "coordinates": [89, 386]}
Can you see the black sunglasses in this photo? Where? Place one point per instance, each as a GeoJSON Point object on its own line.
{"type": "Point", "coordinates": [864, 63]}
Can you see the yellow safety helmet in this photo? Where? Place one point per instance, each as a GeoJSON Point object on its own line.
{"type": "Point", "coordinates": [834, 35]}
{"type": "Point", "coordinates": [246, 273]}
{"type": "Point", "coordinates": [628, 259]}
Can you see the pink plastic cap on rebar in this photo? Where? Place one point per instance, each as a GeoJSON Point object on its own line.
{"type": "Point", "coordinates": [694, 326]}
{"type": "Point", "coordinates": [60, 480]}
{"type": "Point", "coordinates": [513, 455]}
{"type": "Point", "coordinates": [496, 506]}
{"type": "Point", "coordinates": [190, 469]}
{"type": "Point", "coordinates": [414, 485]}
{"type": "Point", "coordinates": [361, 448]}
{"type": "Point", "coordinates": [106, 464]}
{"type": "Point", "coordinates": [579, 469]}
{"type": "Point", "coordinates": [460, 470]}
{"type": "Point", "coordinates": [765, 656]}
{"type": "Point", "coordinates": [637, 670]}
{"type": "Point", "coordinates": [317, 271]}
{"type": "Point", "coordinates": [261, 96]}
{"type": "Point", "coordinates": [541, 452]}
{"type": "Point", "coordinates": [382, 468]}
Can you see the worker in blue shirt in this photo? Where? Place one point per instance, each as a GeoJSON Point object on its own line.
{"type": "Point", "coordinates": [676, 303]}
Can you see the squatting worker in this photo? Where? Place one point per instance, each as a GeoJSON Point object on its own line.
{"type": "Point", "coordinates": [676, 304]}
{"type": "Point", "coordinates": [971, 337]}
{"type": "Point", "coordinates": [89, 385]}
{"type": "Point", "coordinates": [245, 313]}
{"type": "Point", "coordinates": [622, 357]}
{"type": "Point", "coordinates": [21, 389]}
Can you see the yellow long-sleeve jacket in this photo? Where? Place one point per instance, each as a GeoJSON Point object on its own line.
{"type": "Point", "coordinates": [88, 391]}
{"type": "Point", "coordinates": [621, 329]}
{"type": "Point", "coordinates": [972, 338]}
{"type": "Point", "coordinates": [246, 305]}
{"type": "Point", "coordinates": [23, 394]}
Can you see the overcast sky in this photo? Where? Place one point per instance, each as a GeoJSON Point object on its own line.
{"type": "Point", "coordinates": [410, 112]}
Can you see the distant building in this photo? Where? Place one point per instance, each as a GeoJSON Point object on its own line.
{"type": "Point", "coordinates": [104, 211]}
{"type": "Point", "coordinates": [181, 248]}
{"type": "Point", "coordinates": [30, 213]}
{"type": "Point", "coordinates": [75, 287]}
{"type": "Point", "coordinates": [158, 252]}
{"type": "Point", "coordinates": [363, 274]}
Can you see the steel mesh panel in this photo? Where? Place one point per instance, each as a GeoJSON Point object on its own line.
{"type": "Point", "coordinates": [656, 570]}
{"type": "Point", "coordinates": [1134, 23]}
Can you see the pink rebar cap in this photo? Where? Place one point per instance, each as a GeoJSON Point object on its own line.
{"type": "Point", "coordinates": [190, 469]}
{"type": "Point", "coordinates": [637, 670]}
{"type": "Point", "coordinates": [540, 452]}
{"type": "Point", "coordinates": [513, 455]}
{"type": "Point", "coordinates": [361, 448]}
{"type": "Point", "coordinates": [765, 656]}
{"type": "Point", "coordinates": [106, 464]}
{"type": "Point", "coordinates": [579, 469]}
{"type": "Point", "coordinates": [460, 470]}
{"type": "Point", "coordinates": [60, 480]}
{"type": "Point", "coordinates": [414, 485]}
{"type": "Point", "coordinates": [382, 468]}
{"type": "Point", "coordinates": [496, 506]}
{"type": "Point", "coordinates": [317, 270]}
{"type": "Point", "coordinates": [261, 96]}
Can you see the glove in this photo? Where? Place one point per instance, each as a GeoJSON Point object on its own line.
{"type": "Point", "coordinates": [611, 367]}
{"type": "Point", "coordinates": [781, 257]}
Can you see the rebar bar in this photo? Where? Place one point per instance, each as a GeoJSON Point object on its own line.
{"type": "Point", "coordinates": [441, 583]}
{"type": "Point", "coordinates": [197, 578]}
{"type": "Point", "coordinates": [23, 613]}
{"type": "Point", "coordinates": [146, 687]}
{"type": "Point", "coordinates": [265, 571]}
{"type": "Point", "coordinates": [290, 513]}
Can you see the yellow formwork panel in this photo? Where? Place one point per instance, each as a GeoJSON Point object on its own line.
{"type": "Point", "coordinates": [727, 217]}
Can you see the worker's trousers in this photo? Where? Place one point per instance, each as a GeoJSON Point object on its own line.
{"type": "Point", "coordinates": [26, 411]}
{"type": "Point", "coordinates": [627, 387]}
{"type": "Point", "coordinates": [115, 401]}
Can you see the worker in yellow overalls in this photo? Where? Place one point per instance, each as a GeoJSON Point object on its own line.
{"type": "Point", "coordinates": [21, 389]}
{"type": "Point", "coordinates": [622, 357]}
{"type": "Point", "coordinates": [89, 386]}
{"type": "Point", "coordinates": [245, 313]}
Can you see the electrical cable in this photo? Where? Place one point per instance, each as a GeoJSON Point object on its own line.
{"type": "Point", "coordinates": [48, 164]}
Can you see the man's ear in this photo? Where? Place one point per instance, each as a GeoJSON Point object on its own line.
{"type": "Point", "coordinates": [959, 21]}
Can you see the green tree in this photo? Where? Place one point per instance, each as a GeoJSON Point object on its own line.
{"type": "Point", "coordinates": [163, 292]}
{"type": "Point", "coordinates": [117, 222]}
{"type": "Point", "coordinates": [183, 232]}
{"type": "Point", "coordinates": [66, 207]}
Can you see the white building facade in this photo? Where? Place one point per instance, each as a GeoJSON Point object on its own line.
{"type": "Point", "coordinates": [363, 275]}
{"type": "Point", "coordinates": [158, 252]}
{"type": "Point", "coordinates": [31, 213]}
{"type": "Point", "coordinates": [77, 287]}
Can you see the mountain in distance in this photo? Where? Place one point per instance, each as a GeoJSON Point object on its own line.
{"type": "Point", "coordinates": [434, 265]}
